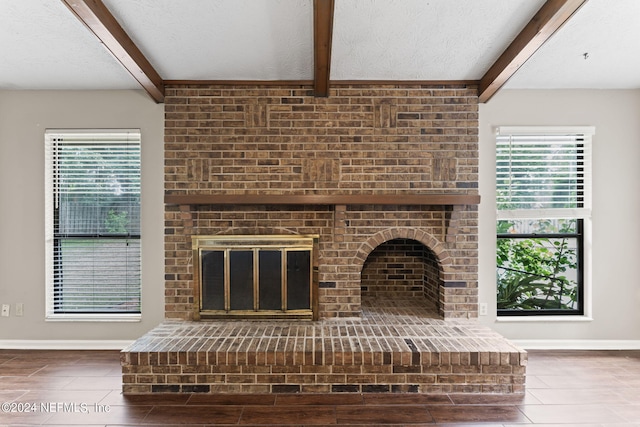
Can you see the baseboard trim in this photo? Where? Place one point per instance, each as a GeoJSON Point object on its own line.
{"type": "Point", "coordinates": [578, 344]}
{"type": "Point", "coordinates": [64, 344]}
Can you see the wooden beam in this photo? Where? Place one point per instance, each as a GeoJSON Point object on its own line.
{"type": "Point", "coordinates": [291, 83]}
{"type": "Point", "coordinates": [405, 83]}
{"type": "Point", "coordinates": [309, 83]}
{"type": "Point", "coordinates": [319, 199]}
{"type": "Point", "coordinates": [551, 16]}
{"type": "Point", "coordinates": [322, 32]}
{"type": "Point", "coordinates": [95, 15]}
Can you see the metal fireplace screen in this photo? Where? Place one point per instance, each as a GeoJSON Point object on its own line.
{"type": "Point", "coordinates": [255, 276]}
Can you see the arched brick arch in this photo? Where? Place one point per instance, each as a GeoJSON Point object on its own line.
{"type": "Point", "coordinates": [442, 258]}
{"type": "Point", "coordinates": [381, 237]}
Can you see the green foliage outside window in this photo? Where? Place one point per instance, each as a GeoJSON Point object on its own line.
{"type": "Point", "coordinates": [117, 222]}
{"type": "Point", "coordinates": [537, 272]}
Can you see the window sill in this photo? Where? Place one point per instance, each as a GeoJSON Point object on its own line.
{"type": "Point", "coordinates": [93, 318]}
{"type": "Point", "coordinates": [540, 319]}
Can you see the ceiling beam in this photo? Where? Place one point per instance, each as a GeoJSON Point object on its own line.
{"type": "Point", "coordinates": [322, 32]}
{"type": "Point", "coordinates": [551, 16]}
{"type": "Point", "coordinates": [95, 15]}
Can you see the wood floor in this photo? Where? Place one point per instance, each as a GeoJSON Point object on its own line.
{"type": "Point", "coordinates": [82, 388]}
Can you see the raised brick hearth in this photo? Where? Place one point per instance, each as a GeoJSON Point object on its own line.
{"type": "Point", "coordinates": [399, 347]}
{"type": "Point", "coordinates": [386, 177]}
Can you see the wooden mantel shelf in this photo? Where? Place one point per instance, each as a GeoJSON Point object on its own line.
{"type": "Point", "coordinates": [324, 199]}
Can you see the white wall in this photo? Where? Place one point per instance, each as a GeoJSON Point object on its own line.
{"type": "Point", "coordinates": [24, 116]}
{"type": "Point", "coordinates": [616, 207]}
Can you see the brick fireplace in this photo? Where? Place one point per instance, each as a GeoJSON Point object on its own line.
{"type": "Point", "coordinates": [386, 177]}
{"type": "Point", "coordinates": [399, 147]}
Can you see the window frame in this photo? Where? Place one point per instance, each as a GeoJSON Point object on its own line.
{"type": "Point", "coordinates": [583, 234]}
{"type": "Point", "coordinates": [53, 238]}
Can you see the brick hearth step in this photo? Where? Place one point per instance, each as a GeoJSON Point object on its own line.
{"type": "Point", "coordinates": [398, 350]}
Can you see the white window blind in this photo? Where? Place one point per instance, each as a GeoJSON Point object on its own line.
{"type": "Point", "coordinates": [543, 173]}
{"type": "Point", "coordinates": [93, 222]}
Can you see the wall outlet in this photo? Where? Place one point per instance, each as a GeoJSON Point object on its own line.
{"type": "Point", "coordinates": [19, 309]}
{"type": "Point", "coordinates": [6, 309]}
{"type": "Point", "coordinates": [484, 309]}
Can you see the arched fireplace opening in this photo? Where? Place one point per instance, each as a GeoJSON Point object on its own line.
{"type": "Point", "coordinates": [402, 272]}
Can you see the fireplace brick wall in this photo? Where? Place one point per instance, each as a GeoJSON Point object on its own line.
{"type": "Point", "coordinates": [280, 140]}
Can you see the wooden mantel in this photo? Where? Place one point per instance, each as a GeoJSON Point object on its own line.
{"type": "Point", "coordinates": [324, 199]}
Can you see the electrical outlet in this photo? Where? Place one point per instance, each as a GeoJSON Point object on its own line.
{"type": "Point", "coordinates": [484, 309]}
{"type": "Point", "coordinates": [6, 309]}
{"type": "Point", "coordinates": [19, 309]}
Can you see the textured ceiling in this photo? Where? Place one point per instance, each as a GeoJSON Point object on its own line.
{"type": "Point", "coordinates": [223, 39]}
{"type": "Point", "coordinates": [423, 40]}
{"type": "Point", "coordinates": [44, 46]}
{"type": "Point", "coordinates": [608, 31]}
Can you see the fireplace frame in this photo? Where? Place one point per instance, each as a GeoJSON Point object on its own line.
{"type": "Point", "coordinates": [255, 243]}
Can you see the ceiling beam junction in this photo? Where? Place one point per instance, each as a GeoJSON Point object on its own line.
{"type": "Point", "coordinates": [322, 32]}
{"type": "Point", "coordinates": [551, 16]}
{"type": "Point", "coordinates": [95, 15]}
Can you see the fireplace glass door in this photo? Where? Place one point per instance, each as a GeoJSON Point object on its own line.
{"type": "Point", "coordinates": [249, 276]}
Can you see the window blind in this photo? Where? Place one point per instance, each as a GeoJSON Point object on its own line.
{"type": "Point", "coordinates": [93, 222]}
{"type": "Point", "coordinates": [543, 201]}
{"type": "Point", "coordinates": [542, 171]}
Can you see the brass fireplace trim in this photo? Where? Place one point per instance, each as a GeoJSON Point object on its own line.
{"type": "Point", "coordinates": [254, 242]}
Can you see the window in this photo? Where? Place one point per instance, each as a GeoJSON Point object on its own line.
{"type": "Point", "coordinates": [93, 224]}
{"type": "Point", "coordinates": [543, 196]}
